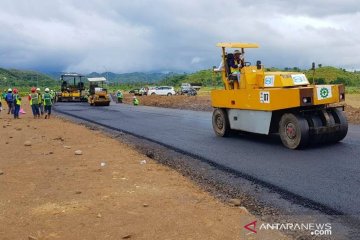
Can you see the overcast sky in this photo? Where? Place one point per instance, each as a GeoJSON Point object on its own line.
{"type": "Point", "coordinates": [177, 35]}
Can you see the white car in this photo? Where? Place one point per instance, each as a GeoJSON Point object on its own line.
{"type": "Point", "coordinates": [163, 90]}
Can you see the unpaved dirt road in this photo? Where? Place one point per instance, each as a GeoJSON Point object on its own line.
{"type": "Point", "coordinates": [109, 192]}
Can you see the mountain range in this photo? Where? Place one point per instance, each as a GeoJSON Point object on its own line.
{"type": "Point", "coordinates": [135, 77]}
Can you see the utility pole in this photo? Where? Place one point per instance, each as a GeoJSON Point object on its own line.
{"type": "Point", "coordinates": [106, 73]}
{"type": "Point", "coordinates": [313, 72]}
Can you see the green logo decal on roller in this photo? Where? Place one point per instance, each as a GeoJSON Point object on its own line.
{"type": "Point", "coordinates": [324, 92]}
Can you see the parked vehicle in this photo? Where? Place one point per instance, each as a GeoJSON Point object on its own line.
{"type": "Point", "coordinates": [138, 91]}
{"type": "Point", "coordinates": [190, 92]}
{"type": "Point", "coordinates": [142, 91]}
{"type": "Point", "coordinates": [162, 90]}
{"type": "Point", "coordinates": [187, 86]}
{"type": "Point", "coordinates": [134, 91]}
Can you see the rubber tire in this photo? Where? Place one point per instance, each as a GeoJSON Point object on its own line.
{"type": "Point", "coordinates": [221, 115]}
{"type": "Point", "coordinates": [169, 94]}
{"type": "Point", "coordinates": [341, 119]}
{"type": "Point", "coordinates": [316, 123]}
{"type": "Point", "coordinates": [301, 139]}
{"type": "Point", "coordinates": [153, 93]}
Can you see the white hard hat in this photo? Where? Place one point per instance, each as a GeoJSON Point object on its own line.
{"type": "Point", "coordinates": [38, 89]}
{"type": "Point", "coordinates": [47, 89]}
{"type": "Point", "coordinates": [9, 90]}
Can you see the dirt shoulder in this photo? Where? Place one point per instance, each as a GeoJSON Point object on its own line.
{"type": "Point", "coordinates": [196, 103]}
{"type": "Point", "coordinates": [109, 192]}
{"type": "Point", "coordinates": [203, 103]}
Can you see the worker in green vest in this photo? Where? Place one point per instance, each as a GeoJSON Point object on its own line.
{"type": "Point", "coordinates": [34, 102]}
{"type": "Point", "coordinates": [4, 94]}
{"type": "Point", "coordinates": [135, 101]}
{"type": "Point", "coordinates": [52, 93]}
{"type": "Point", "coordinates": [2, 97]}
{"type": "Point", "coordinates": [41, 104]}
{"type": "Point", "coordinates": [119, 96]}
{"type": "Point", "coordinates": [17, 103]}
{"type": "Point", "coordinates": [47, 103]}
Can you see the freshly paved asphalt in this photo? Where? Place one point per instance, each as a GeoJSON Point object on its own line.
{"type": "Point", "coordinates": [328, 175]}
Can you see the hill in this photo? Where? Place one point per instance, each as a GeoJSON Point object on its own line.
{"type": "Point", "coordinates": [124, 78]}
{"type": "Point", "coordinates": [203, 77]}
{"type": "Point", "coordinates": [323, 75]}
{"type": "Point", "coordinates": [24, 78]}
{"type": "Point", "coordinates": [334, 75]}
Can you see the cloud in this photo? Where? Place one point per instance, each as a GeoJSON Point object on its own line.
{"type": "Point", "coordinates": [139, 35]}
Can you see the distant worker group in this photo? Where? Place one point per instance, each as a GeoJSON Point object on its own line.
{"type": "Point", "coordinates": [40, 103]}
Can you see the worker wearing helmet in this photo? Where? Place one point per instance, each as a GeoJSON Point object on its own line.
{"type": "Point", "coordinates": [236, 64]}
{"type": "Point", "coordinates": [119, 96]}
{"type": "Point", "coordinates": [17, 103]}
{"type": "Point", "coordinates": [41, 105]}
{"type": "Point", "coordinates": [34, 102]}
{"type": "Point", "coordinates": [52, 93]}
{"type": "Point", "coordinates": [47, 103]}
{"type": "Point", "coordinates": [9, 98]}
{"type": "Point", "coordinates": [135, 101]}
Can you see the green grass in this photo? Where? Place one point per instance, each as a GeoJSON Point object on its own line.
{"type": "Point", "coordinates": [352, 90]}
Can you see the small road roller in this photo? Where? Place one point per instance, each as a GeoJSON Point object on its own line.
{"type": "Point", "coordinates": [98, 95]}
{"type": "Point", "coordinates": [283, 103]}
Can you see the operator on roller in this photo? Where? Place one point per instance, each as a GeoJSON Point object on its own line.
{"type": "Point", "coordinates": [236, 64]}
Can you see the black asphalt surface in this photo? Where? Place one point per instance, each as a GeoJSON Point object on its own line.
{"type": "Point", "coordinates": [328, 175]}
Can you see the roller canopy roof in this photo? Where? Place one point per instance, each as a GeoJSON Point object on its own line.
{"type": "Point", "coordinates": [98, 79]}
{"type": "Point", "coordinates": [238, 45]}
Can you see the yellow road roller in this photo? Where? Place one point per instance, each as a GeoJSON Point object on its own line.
{"type": "Point", "coordinates": [261, 102]}
{"type": "Point", "coordinates": [98, 95]}
{"type": "Point", "coordinates": [72, 88]}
